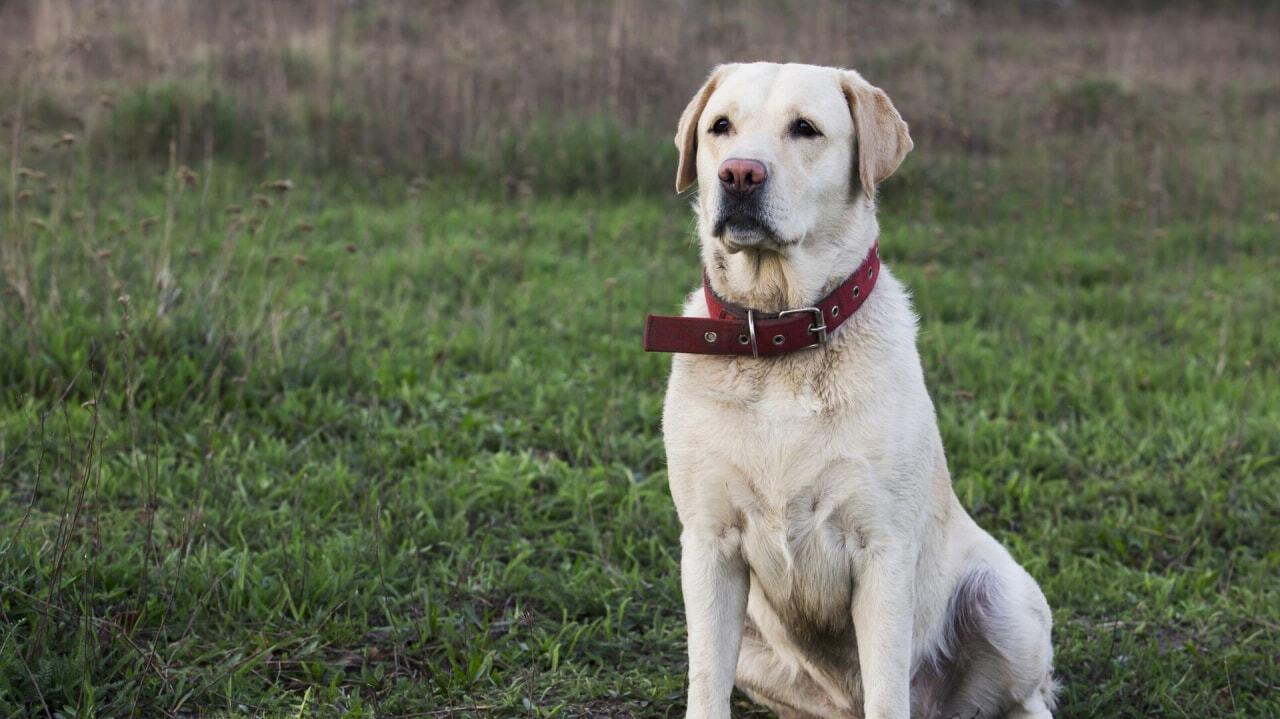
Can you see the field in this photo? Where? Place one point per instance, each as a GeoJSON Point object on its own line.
{"type": "Point", "coordinates": [301, 433]}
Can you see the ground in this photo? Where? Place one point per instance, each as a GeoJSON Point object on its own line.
{"type": "Point", "coordinates": [337, 448]}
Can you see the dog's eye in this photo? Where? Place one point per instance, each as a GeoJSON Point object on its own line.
{"type": "Point", "coordinates": [803, 128]}
{"type": "Point", "coordinates": [720, 127]}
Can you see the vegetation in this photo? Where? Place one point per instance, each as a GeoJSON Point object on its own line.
{"type": "Point", "coordinates": [379, 439]}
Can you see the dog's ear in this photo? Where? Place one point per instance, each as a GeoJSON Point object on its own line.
{"type": "Point", "coordinates": [687, 131]}
{"type": "Point", "coordinates": [882, 138]}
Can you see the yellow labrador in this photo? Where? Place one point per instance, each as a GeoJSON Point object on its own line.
{"type": "Point", "coordinates": [828, 568]}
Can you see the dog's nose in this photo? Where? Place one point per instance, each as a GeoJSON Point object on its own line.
{"type": "Point", "coordinates": [742, 177]}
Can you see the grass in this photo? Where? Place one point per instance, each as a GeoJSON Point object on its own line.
{"type": "Point", "coordinates": [391, 448]}
{"type": "Point", "coordinates": [381, 441]}
{"type": "Point", "coordinates": [422, 87]}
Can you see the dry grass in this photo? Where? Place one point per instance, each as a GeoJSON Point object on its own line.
{"type": "Point", "coordinates": [426, 84]}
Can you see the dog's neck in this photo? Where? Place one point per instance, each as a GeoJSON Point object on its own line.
{"type": "Point", "coordinates": [792, 277]}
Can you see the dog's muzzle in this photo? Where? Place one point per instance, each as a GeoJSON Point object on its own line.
{"type": "Point", "coordinates": [740, 225]}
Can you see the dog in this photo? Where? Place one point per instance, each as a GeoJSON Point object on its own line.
{"type": "Point", "coordinates": [828, 568]}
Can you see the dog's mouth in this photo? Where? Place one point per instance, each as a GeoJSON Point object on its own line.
{"type": "Point", "coordinates": [740, 230]}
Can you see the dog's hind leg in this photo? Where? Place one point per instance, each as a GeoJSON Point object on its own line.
{"type": "Point", "coordinates": [1036, 706]}
{"type": "Point", "coordinates": [999, 649]}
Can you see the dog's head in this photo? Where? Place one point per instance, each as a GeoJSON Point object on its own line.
{"type": "Point", "coordinates": [785, 153]}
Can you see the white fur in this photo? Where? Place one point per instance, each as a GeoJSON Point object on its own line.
{"type": "Point", "coordinates": [827, 565]}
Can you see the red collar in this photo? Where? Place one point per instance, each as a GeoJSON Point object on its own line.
{"type": "Point", "coordinates": [735, 330]}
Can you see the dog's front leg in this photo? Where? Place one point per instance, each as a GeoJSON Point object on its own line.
{"type": "Point", "coordinates": [713, 575]}
{"type": "Point", "coordinates": [883, 609]}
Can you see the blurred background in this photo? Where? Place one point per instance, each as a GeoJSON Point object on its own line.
{"type": "Point", "coordinates": [1170, 105]}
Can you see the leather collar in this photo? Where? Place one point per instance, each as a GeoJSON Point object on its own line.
{"type": "Point", "coordinates": [734, 330]}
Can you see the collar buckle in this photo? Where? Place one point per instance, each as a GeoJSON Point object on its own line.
{"type": "Point", "coordinates": [751, 327]}
{"type": "Point", "coordinates": [819, 325]}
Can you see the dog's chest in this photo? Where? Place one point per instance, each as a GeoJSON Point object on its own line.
{"type": "Point", "coordinates": [799, 535]}
{"type": "Point", "coordinates": [803, 572]}
{"type": "Point", "coordinates": [787, 471]}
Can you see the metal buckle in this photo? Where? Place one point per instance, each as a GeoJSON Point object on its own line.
{"type": "Point", "coordinates": [819, 325]}
{"type": "Point", "coordinates": [751, 327]}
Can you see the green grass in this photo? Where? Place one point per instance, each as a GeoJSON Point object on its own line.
{"type": "Point", "coordinates": [382, 449]}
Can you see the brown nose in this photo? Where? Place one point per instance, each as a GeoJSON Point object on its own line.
{"type": "Point", "coordinates": [741, 177]}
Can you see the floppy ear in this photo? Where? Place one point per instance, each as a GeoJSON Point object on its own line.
{"type": "Point", "coordinates": [881, 133]}
{"type": "Point", "coordinates": [687, 131]}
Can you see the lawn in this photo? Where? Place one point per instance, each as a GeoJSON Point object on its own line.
{"type": "Point", "coordinates": [391, 448]}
